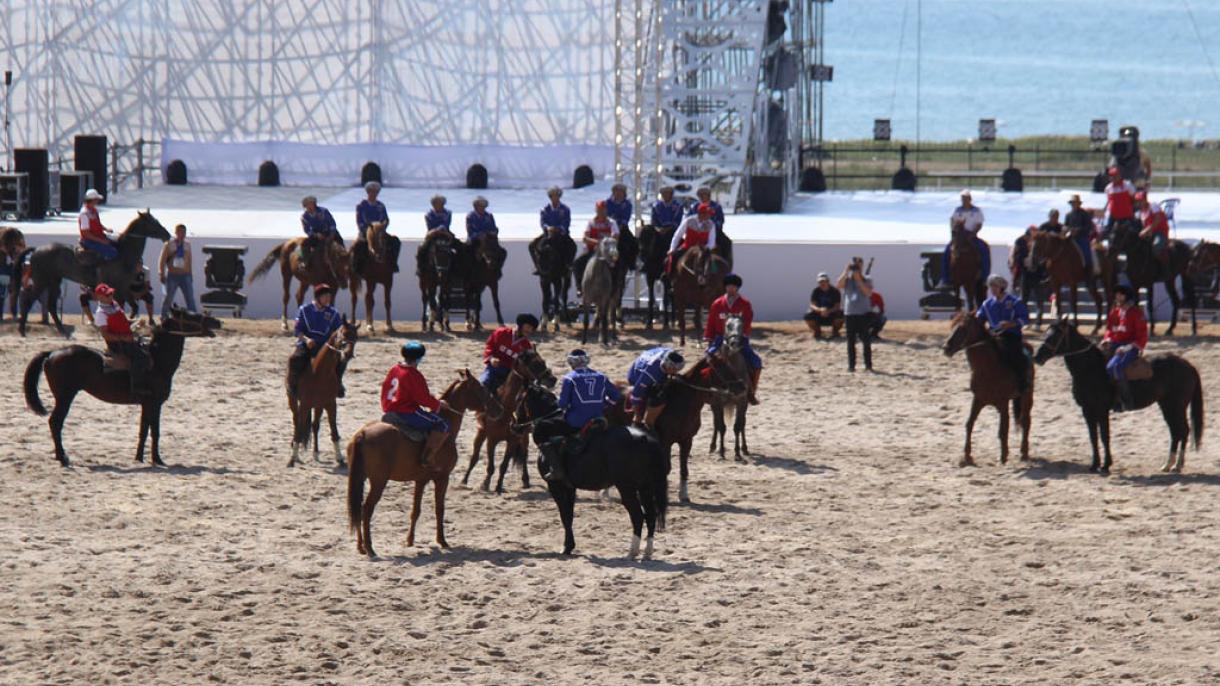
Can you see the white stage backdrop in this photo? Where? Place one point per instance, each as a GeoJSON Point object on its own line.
{"type": "Point", "coordinates": [417, 166]}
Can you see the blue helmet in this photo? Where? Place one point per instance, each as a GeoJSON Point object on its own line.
{"type": "Point", "coordinates": [413, 350]}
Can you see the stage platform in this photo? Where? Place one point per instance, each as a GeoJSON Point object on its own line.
{"type": "Point", "coordinates": [778, 255]}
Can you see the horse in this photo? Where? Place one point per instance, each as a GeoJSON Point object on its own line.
{"type": "Point", "coordinates": [599, 289]}
{"type": "Point", "coordinates": [628, 458]}
{"type": "Point", "coordinates": [1066, 267]}
{"type": "Point", "coordinates": [381, 453]}
{"type": "Point", "coordinates": [966, 268]}
{"type": "Point", "coordinates": [1025, 276]}
{"type": "Point", "coordinates": [681, 400]}
{"type": "Point", "coordinates": [375, 269]}
{"type": "Point", "coordinates": [328, 264]}
{"type": "Point", "coordinates": [485, 263]}
{"type": "Point", "coordinates": [1174, 385]}
{"type": "Point", "coordinates": [1144, 270]}
{"type": "Point", "coordinates": [729, 355]}
{"type": "Point", "coordinates": [555, 255]}
{"type": "Point", "coordinates": [439, 269]}
{"type": "Point", "coordinates": [317, 390]}
{"type": "Point", "coordinates": [75, 368]}
{"type": "Point", "coordinates": [51, 264]}
{"type": "Point", "coordinates": [628, 258]}
{"type": "Point", "coordinates": [696, 280]}
{"type": "Point", "coordinates": [1204, 262]}
{"type": "Point", "coordinates": [992, 383]}
{"type": "Point", "coordinates": [528, 368]}
{"type": "Point", "coordinates": [654, 244]}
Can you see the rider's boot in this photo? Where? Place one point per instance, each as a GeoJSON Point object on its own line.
{"type": "Point", "coordinates": [1125, 401]}
{"type": "Point", "coordinates": [754, 374]}
{"type": "Point", "coordinates": [432, 443]}
{"type": "Point", "coordinates": [555, 459]}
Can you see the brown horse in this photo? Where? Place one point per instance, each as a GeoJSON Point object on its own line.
{"type": "Point", "coordinates": [76, 368]}
{"type": "Point", "coordinates": [438, 269]}
{"type": "Point", "coordinates": [696, 280]}
{"type": "Point", "coordinates": [318, 389]}
{"type": "Point", "coordinates": [1066, 267]}
{"type": "Point", "coordinates": [486, 261]}
{"type": "Point", "coordinates": [376, 269]}
{"type": "Point", "coordinates": [991, 381]}
{"type": "Point", "coordinates": [966, 268]}
{"type": "Point", "coordinates": [528, 368]}
{"type": "Point", "coordinates": [380, 453]}
{"type": "Point", "coordinates": [729, 356]}
{"type": "Point", "coordinates": [1204, 262]}
{"type": "Point", "coordinates": [329, 264]}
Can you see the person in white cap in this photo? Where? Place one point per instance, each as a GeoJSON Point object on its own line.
{"type": "Point", "coordinates": [93, 236]}
{"type": "Point", "coordinates": [967, 217]}
{"type": "Point", "coordinates": [372, 210]}
{"type": "Point", "coordinates": [825, 308]}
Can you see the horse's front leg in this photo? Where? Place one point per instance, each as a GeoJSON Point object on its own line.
{"type": "Point", "coordinates": [975, 407]}
{"type": "Point", "coordinates": [143, 433]}
{"type": "Point", "coordinates": [441, 487]}
{"type": "Point", "coordinates": [495, 300]}
{"type": "Point", "coordinates": [315, 427]}
{"type": "Point", "coordinates": [479, 436]}
{"type": "Point", "coordinates": [426, 299]}
{"type": "Point", "coordinates": [1151, 308]}
{"type": "Point", "coordinates": [415, 503]}
{"type": "Point", "coordinates": [491, 464]}
{"type": "Point", "coordinates": [739, 432]}
{"type": "Point", "coordinates": [1172, 290]}
{"type": "Point", "coordinates": [1004, 426]}
{"type": "Point", "coordinates": [154, 425]}
{"type": "Point", "coordinates": [332, 413]}
{"type": "Point", "coordinates": [683, 473]}
{"type": "Point", "coordinates": [718, 429]}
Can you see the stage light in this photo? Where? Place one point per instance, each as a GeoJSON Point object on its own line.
{"type": "Point", "coordinates": [987, 131]}
{"type": "Point", "coordinates": [881, 129]}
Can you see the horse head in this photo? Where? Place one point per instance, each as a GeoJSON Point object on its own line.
{"type": "Point", "coordinates": [145, 226]}
{"type": "Point", "coordinates": [440, 253]}
{"type": "Point", "coordinates": [530, 366]}
{"type": "Point", "coordinates": [967, 330]}
{"type": "Point", "coordinates": [1204, 257]}
{"type": "Point", "coordinates": [720, 375]}
{"type": "Point", "coordinates": [468, 394]}
{"type": "Point", "coordinates": [180, 322]}
{"type": "Point", "coordinates": [734, 335]}
{"type": "Point", "coordinates": [12, 241]}
{"type": "Point", "coordinates": [1059, 339]}
{"type": "Point", "coordinates": [538, 401]}
{"type": "Point", "coordinates": [607, 250]}
{"type": "Point", "coordinates": [375, 235]}
{"type": "Point", "coordinates": [343, 340]}
{"type": "Point", "coordinates": [487, 249]}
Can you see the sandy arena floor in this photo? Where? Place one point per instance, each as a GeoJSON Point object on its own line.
{"type": "Point", "coordinates": [851, 549]}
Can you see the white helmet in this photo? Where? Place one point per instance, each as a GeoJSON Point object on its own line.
{"type": "Point", "coordinates": [578, 358]}
{"type": "Point", "coordinates": [92, 194]}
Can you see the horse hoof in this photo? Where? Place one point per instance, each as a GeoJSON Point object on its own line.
{"type": "Point", "coordinates": [966, 462]}
{"type": "Point", "coordinates": [740, 460]}
{"type": "Point", "coordinates": [158, 462]}
{"type": "Point", "coordinates": [442, 543]}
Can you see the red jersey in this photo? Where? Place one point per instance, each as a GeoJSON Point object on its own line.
{"type": "Point", "coordinates": [1120, 200]}
{"type": "Point", "coordinates": [1155, 219]}
{"type": "Point", "coordinates": [112, 318]}
{"type": "Point", "coordinates": [720, 311]}
{"type": "Point", "coordinates": [1127, 326]}
{"type": "Point", "coordinates": [505, 346]}
{"type": "Point", "coordinates": [405, 390]}
{"type": "Point", "coordinates": [599, 229]}
{"type": "Point", "coordinates": [90, 225]}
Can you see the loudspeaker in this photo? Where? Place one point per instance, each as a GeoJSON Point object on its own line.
{"type": "Point", "coordinates": [1101, 181]}
{"type": "Point", "coordinates": [268, 174]}
{"type": "Point", "coordinates": [90, 154]}
{"type": "Point", "coordinates": [583, 176]}
{"type": "Point", "coordinates": [904, 180]}
{"type": "Point", "coordinates": [175, 173]}
{"type": "Point", "coordinates": [72, 187]}
{"type": "Point", "coordinates": [1012, 180]}
{"type": "Point", "coordinates": [371, 171]}
{"type": "Point", "coordinates": [476, 176]}
{"type": "Point", "coordinates": [813, 181]}
{"type": "Point", "coordinates": [767, 194]}
{"type": "Point", "coordinates": [34, 161]}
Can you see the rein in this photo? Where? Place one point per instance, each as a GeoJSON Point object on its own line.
{"type": "Point", "coordinates": [1058, 350]}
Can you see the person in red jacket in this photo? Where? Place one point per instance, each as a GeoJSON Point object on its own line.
{"type": "Point", "coordinates": [733, 302]}
{"type": "Point", "coordinates": [114, 326]}
{"type": "Point", "coordinates": [1120, 200]}
{"type": "Point", "coordinates": [1156, 226]}
{"type": "Point", "coordinates": [877, 306]}
{"type": "Point", "coordinates": [502, 349]}
{"type": "Point", "coordinates": [408, 404]}
{"type": "Point", "coordinates": [1126, 336]}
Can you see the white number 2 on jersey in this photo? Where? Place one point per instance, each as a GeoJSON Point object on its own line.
{"type": "Point", "coordinates": [391, 394]}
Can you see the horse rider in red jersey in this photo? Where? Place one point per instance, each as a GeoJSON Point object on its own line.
{"type": "Point", "coordinates": [599, 227]}
{"type": "Point", "coordinates": [112, 322]}
{"type": "Point", "coordinates": [1126, 337]}
{"type": "Point", "coordinates": [698, 229]}
{"type": "Point", "coordinates": [408, 404]}
{"type": "Point", "coordinates": [1156, 226]}
{"type": "Point", "coordinates": [733, 303]}
{"type": "Point", "coordinates": [1120, 200]}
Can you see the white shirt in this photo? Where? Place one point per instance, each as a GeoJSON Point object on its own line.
{"type": "Point", "coordinates": [970, 218]}
{"type": "Point", "coordinates": [694, 222]}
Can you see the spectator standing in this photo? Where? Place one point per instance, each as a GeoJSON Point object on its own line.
{"type": "Point", "coordinates": [825, 308]}
{"type": "Point", "coordinates": [175, 270]}
{"type": "Point", "coordinates": [857, 311]}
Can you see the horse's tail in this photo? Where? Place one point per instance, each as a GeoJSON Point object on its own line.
{"type": "Point", "coordinates": [660, 480]}
{"type": "Point", "coordinates": [268, 262]}
{"type": "Point", "coordinates": [32, 372]}
{"type": "Point", "coordinates": [1196, 411]}
{"type": "Point", "coordinates": [355, 480]}
{"type": "Point", "coordinates": [519, 456]}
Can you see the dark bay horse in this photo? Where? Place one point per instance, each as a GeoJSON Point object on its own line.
{"type": "Point", "coordinates": [318, 390]}
{"type": "Point", "coordinates": [1144, 270]}
{"type": "Point", "coordinates": [628, 260]}
{"type": "Point", "coordinates": [376, 269]}
{"type": "Point", "coordinates": [51, 264]}
{"type": "Point", "coordinates": [729, 355]}
{"type": "Point", "coordinates": [556, 253]}
{"type": "Point", "coordinates": [528, 368]}
{"type": "Point", "coordinates": [440, 267]}
{"type": "Point", "coordinates": [76, 368]}
{"type": "Point", "coordinates": [992, 382]}
{"type": "Point", "coordinates": [1066, 268]}
{"type": "Point", "coordinates": [681, 400]}
{"type": "Point", "coordinates": [966, 268]}
{"type": "Point", "coordinates": [1204, 262]}
{"type": "Point", "coordinates": [627, 458]}
{"type": "Point", "coordinates": [697, 281]}
{"type": "Point", "coordinates": [328, 264]}
{"type": "Point", "coordinates": [486, 259]}
{"type": "Point", "coordinates": [654, 244]}
{"type": "Point", "coordinates": [1174, 386]}
{"type": "Point", "coordinates": [380, 453]}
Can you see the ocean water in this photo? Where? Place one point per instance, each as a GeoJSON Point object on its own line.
{"type": "Point", "coordinates": [1036, 66]}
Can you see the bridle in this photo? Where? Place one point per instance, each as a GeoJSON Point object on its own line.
{"type": "Point", "coordinates": [1057, 349]}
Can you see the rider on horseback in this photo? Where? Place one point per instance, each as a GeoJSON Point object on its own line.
{"type": "Point", "coordinates": [666, 212]}
{"type": "Point", "coordinates": [1126, 336]}
{"type": "Point", "coordinates": [556, 220]}
{"type": "Point", "coordinates": [1156, 226]}
{"type": "Point", "coordinates": [502, 349]}
{"type": "Point", "coordinates": [968, 218]}
{"type": "Point", "coordinates": [1006, 314]}
{"type": "Point", "coordinates": [372, 210]}
{"type": "Point", "coordinates": [599, 227]}
{"type": "Point", "coordinates": [316, 321]}
{"type": "Point", "coordinates": [319, 227]}
{"type": "Point", "coordinates": [408, 404]}
{"type": "Point", "coordinates": [698, 229]}
{"type": "Point", "coordinates": [115, 328]}
{"type": "Point", "coordinates": [92, 234]}
{"type": "Point", "coordinates": [705, 198]}
{"type": "Point", "coordinates": [646, 374]}
{"type": "Point", "coordinates": [713, 333]}
{"type": "Point", "coordinates": [1080, 227]}
{"type": "Point", "coordinates": [618, 207]}
{"type": "Point", "coordinates": [1120, 200]}
{"type": "Point", "coordinates": [480, 222]}
{"type": "Point", "coordinates": [436, 220]}
{"type": "Point", "coordinates": [583, 399]}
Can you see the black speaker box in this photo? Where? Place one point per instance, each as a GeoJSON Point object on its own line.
{"type": "Point", "coordinates": [90, 152]}
{"type": "Point", "coordinates": [767, 194]}
{"type": "Point", "coordinates": [1012, 180]}
{"type": "Point", "coordinates": [35, 161]}
{"type": "Point", "coordinates": [72, 187]}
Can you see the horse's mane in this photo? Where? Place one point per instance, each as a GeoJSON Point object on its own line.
{"type": "Point", "coordinates": [448, 393]}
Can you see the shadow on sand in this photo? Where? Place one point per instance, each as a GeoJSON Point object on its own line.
{"type": "Point", "coordinates": [460, 555]}
{"type": "Point", "coordinates": [790, 464]}
{"type": "Point", "coordinates": [170, 470]}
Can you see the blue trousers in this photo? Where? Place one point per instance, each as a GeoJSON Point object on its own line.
{"type": "Point", "coordinates": [984, 254]}
{"type": "Point", "coordinates": [175, 283]}
{"type": "Point", "coordinates": [1082, 240]}
{"type": "Point", "coordinates": [107, 250]}
{"type": "Point", "coordinates": [423, 420]}
{"type": "Point", "coordinates": [1117, 365]}
{"type": "Point", "coordinates": [493, 377]}
{"type": "Point", "coordinates": [752, 357]}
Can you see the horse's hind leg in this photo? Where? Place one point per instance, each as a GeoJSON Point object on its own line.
{"type": "Point", "coordinates": [415, 503]}
{"type": "Point", "coordinates": [315, 426]}
{"type": "Point", "coordinates": [1179, 434]}
{"type": "Point", "coordinates": [1172, 289]}
{"type": "Point", "coordinates": [649, 501]}
{"type": "Point", "coordinates": [565, 500]}
{"type": "Point", "coordinates": [143, 434]}
{"type": "Point", "coordinates": [1004, 425]}
{"type": "Point", "coordinates": [495, 301]}
{"type": "Point", "coordinates": [739, 433]}
{"type": "Point", "coordinates": [491, 464]}
{"type": "Point", "coordinates": [332, 413]}
{"type": "Point", "coordinates": [376, 486]}
{"type": "Point", "coordinates": [683, 473]}
{"type": "Point", "coordinates": [631, 501]}
{"type": "Point", "coordinates": [508, 454]}
{"type": "Point", "coordinates": [719, 428]}
{"type": "Point", "coordinates": [63, 403]}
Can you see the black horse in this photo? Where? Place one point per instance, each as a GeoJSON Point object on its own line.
{"type": "Point", "coordinates": [627, 458]}
{"type": "Point", "coordinates": [1144, 270]}
{"type": "Point", "coordinates": [555, 255]}
{"type": "Point", "coordinates": [654, 245]}
{"type": "Point", "coordinates": [76, 368]}
{"type": "Point", "coordinates": [628, 259]}
{"type": "Point", "coordinates": [51, 264]}
{"type": "Point", "coordinates": [1174, 385]}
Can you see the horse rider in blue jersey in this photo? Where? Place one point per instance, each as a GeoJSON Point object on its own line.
{"type": "Point", "coordinates": [436, 220]}
{"type": "Point", "coordinates": [583, 399]}
{"type": "Point", "coordinates": [1006, 315]}
{"type": "Point", "coordinates": [646, 375]}
{"type": "Point", "coordinates": [705, 197]}
{"type": "Point", "coordinates": [618, 206]}
{"type": "Point", "coordinates": [372, 210]}
{"type": "Point", "coordinates": [555, 218]}
{"type": "Point", "coordinates": [480, 223]}
{"type": "Point", "coordinates": [316, 321]}
{"type": "Point", "coordinates": [666, 212]}
{"type": "Point", "coordinates": [319, 227]}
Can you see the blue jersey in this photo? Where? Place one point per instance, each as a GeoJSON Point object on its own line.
{"type": "Point", "coordinates": [1009, 308]}
{"type": "Point", "coordinates": [319, 223]}
{"type": "Point", "coordinates": [477, 225]}
{"type": "Point", "coordinates": [560, 217]}
{"type": "Point", "coordinates": [369, 212]}
{"type": "Point", "coordinates": [666, 215]}
{"type": "Point", "coordinates": [646, 371]}
{"type": "Point", "coordinates": [438, 220]}
{"type": "Point", "coordinates": [317, 323]}
{"type": "Point", "coordinates": [584, 395]}
{"type": "Point", "coordinates": [619, 211]}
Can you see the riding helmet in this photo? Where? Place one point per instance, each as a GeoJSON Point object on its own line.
{"type": "Point", "coordinates": [103, 289]}
{"type": "Point", "coordinates": [413, 350]}
{"type": "Point", "coordinates": [322, 289]}
{"type": "Point", "coordinates": [527, 318]}
{"type": "Point", "coordinates": [732, 280]}
{"type": "Point", "coordinates": [675, 359]}
{"type": "Point", "coordinates": [578, 358]}
{"type": "Point", "coordinates": [705, 209]}
{"type": "Point", "coordinates": [1126, 290]}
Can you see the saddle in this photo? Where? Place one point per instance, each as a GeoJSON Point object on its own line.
{"type": "Point", "coordinates": [410, 432]}
{"type": "Point", "coordinates": [115, 362]}
{"type": "Point", "coordinates": [1139, 370]}
{"type": "Point", "coordinates": [86, 258]}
